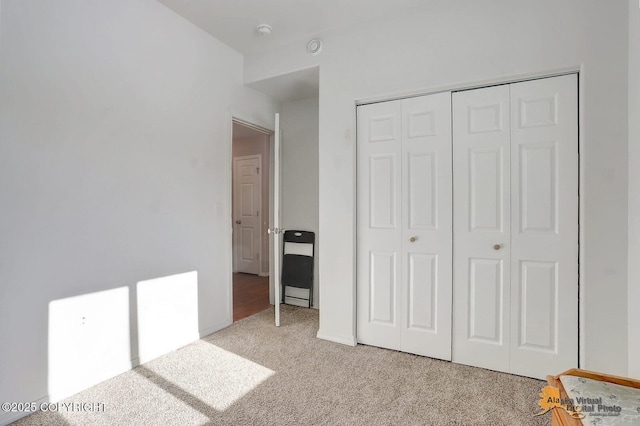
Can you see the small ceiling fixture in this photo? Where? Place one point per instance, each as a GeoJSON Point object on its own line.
{"type": "Point", "coordinates": [264, 29]}
{"type": "Point", "coordinates": [314, 46]}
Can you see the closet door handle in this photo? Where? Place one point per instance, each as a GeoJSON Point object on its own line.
{"type": "Point", "coordinates": [497, 246]}
{"type": "Point", "coordinates": [413, 239]}
{"type": "Point", "coordinates": [238, 221]}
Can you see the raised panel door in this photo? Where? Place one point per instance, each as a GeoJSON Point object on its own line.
{"type": "Point", "coordinates": [481, 226]}
{"type": "Point", "coordinates": [544, 226]}
{"type": "Point", "coordinates": [378, 231]}
{"type": "Point", "coordinates": [426, 225]}
{"type": "Point", "coordinates": [247, 195]}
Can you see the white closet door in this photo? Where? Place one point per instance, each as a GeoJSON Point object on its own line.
{"type": "Point", "coordinates": [516, 227]}
{"type": "Point", "coordinates": [544, 226]}
{"type": "Point", "coordinates": [405, 225]}
{"type": "Point", "coordinates": [481, 226]}
{"type": "Point", "coordinates": [426, 225]}
{"type": "Point", "coordinates": [379, 225]}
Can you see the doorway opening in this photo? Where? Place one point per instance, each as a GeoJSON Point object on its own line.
{"type": "Point", "coordinates": [292, 169]}
{"type": "Point", "coordinates": [250, 218]}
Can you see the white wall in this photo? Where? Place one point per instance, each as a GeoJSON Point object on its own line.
{"type": "Point", "coordinates": [443, 45]}
{"type": "Point", "coordinates": [114, 169]}
{"type": "Point", "coordinates": [634, 188]}
{"type": "Point", "coordinates": [252, 146]}
{"type": "Point", "coordinates": [299, 195]}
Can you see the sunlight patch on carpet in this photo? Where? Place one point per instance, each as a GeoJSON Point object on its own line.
{"type": "Point", "coordinates": [215, 376]}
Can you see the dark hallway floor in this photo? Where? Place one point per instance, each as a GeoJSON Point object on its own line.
{"type": "Point", "coordinates": [250, 295]}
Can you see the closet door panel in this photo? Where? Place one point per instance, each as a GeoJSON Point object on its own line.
{"type": "Point", "coordinates": [544, 226]}
{"type": "Point", "coordinates": [481, 227]}
{"type": "Point", "coordinates": [486, 301]}
{"type": "Point", "coordinates": [378, 229]}
{"type": "Point", "coordinates": [422, 191]}
{"type": "Point", "coordinates": [467, 226]}
{"type": "Point", "coordinates": [427, 225]}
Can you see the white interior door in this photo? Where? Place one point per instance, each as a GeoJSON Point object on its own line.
{"type": "Point", "coordinates": [275, 231]}
{"type": "Point", "coordinates": [481, 225]}
{"type": "Point", "coordinates": [404, 225]}
{"type": "Point", "coordinates": [426, 225]}
{"type": "Point", "coordinates": [516, 227]}
{"type": "Point", "coordinates": [247, 181]}
{"type": "Point", "coordinates": [379, 236]}
{"type": "Point", "coordinates": [544, 226]}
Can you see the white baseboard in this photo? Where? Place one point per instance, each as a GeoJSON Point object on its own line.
{"type": "Point", "coordinates": [345, 340]}
{"type": "Point", "coordinates": [263, 274]}
{"type": "Point", "coordinates": [163, 350]}
{"type": "Point", "coordinates": [114, 370]}
{"type": "Point", "coordinates": [210, 330]}
{"type": "Point", "coordinates": [192, 338]}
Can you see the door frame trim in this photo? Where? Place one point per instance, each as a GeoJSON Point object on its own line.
{"type": "Point", "coordinates": [224, 211]}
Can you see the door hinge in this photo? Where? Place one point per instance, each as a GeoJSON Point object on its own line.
{"type": "Point", "coordinates": [258, 170]}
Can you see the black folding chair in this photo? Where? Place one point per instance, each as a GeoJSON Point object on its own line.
{"type": "Point", "coordinates": [297, 263]}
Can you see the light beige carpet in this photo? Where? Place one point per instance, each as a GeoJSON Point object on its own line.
{"type": "Point", "coordinates": [253, 373]}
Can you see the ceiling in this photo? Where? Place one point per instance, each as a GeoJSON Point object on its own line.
{"type": "Point", "coordinates": [234, 22]}
{"type": "Point", "coordinates": [291, 87]}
